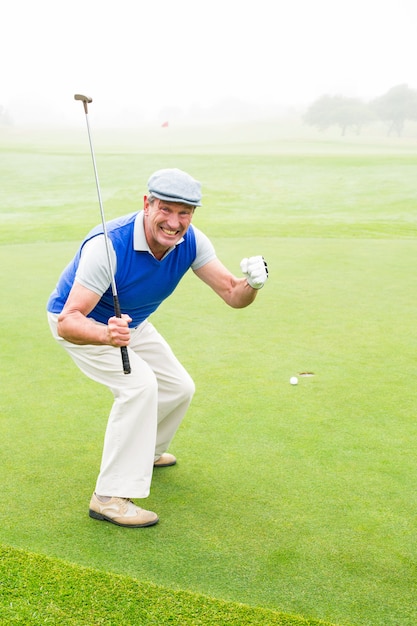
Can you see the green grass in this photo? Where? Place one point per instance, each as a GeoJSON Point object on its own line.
{"type": "Point", "coordinates": [300, 500]}
{"type": "Point", "coordinates": [39, 590]}
{"type": "Point", "coordinates": [273, 195]}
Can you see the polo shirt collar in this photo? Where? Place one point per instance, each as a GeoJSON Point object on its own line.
{"type": "Point", "coordinates": [139, 239]}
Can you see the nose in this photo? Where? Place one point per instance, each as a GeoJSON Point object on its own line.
{"type": "Point", "coordinates": [173, 221]}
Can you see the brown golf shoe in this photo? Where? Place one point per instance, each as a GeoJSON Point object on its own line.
{"type": "Point", "coordinates": [165, 460]}
{"type": "Point", "coordinates": [122, 512]}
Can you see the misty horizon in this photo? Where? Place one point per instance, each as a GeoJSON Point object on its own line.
{"type": "Point", "coordinates": [143, 62]}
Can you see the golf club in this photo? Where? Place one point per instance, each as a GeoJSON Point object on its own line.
{"type": "Point", "coordinates": [125, 356]}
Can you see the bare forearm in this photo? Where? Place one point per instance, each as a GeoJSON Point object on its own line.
{"type": "Point", "coordinates": [236, 292]}
{"type": "Point", "coordinates": [76, 328]}
{"type": "Point", "coordinates": [240, 294]}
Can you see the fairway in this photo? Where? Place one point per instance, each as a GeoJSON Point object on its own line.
{"type": "Point", "coordinates": [298, 499]}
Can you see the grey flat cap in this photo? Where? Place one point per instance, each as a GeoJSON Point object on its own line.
{"type": "Point", "coordinates": [174, 185]}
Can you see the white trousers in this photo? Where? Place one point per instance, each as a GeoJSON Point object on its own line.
{"type": "Point", "coordinates": [149, 405]}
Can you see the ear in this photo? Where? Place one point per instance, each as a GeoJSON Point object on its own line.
{"type": "Point", "coordinates": [145, 204]}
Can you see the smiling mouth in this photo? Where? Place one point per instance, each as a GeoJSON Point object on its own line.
{"type": "Point", "coordinates": [167, 231]}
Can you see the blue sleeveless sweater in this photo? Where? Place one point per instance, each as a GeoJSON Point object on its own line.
{"type": "Point", "coordinates": [142, 281]}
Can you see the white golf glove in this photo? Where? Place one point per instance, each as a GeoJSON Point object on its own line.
{"type": "Point", "coordinates": [256, 271]}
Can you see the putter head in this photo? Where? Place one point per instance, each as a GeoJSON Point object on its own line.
{"type": "Point", "coordinates": [85, 100]}
{"type": "Point", "coordinates": [78, 96]}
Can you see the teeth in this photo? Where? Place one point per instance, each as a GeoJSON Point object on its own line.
{"type": "Point", "coordinates": [169, 232]}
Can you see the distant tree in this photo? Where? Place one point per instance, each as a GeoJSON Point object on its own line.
{"type": "Point", "coordinates": [5, 119]}
{"type": "Point", "coordinates": [396, 106]}
{"type": "Point", "coordinates": [338, 111]}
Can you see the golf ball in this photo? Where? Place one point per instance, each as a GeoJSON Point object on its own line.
{"type": "Point", "coordinates": [294, 380]}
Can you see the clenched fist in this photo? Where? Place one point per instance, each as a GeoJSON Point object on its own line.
{"type": "Point", "coordinates": [256, 271]}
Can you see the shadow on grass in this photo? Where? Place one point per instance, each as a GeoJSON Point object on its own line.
{"type": "Point", "coordinates": [37, 590]}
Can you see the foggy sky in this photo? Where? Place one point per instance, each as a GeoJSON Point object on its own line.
{"type": "Point", "coordinates": [146, 58]}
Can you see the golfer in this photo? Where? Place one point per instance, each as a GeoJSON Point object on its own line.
{"type": "Point", "coordinates": [150, 251]}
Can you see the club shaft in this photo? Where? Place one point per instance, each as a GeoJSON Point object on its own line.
{"type": "Point", "coordinates": [103, 219]}
{"type": "Point", "coordinates": [123, 349]}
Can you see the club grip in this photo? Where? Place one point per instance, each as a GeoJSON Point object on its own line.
{"type": "Point", "coordinates": [125, 360]}
{"type": "Point", "coordinates": [123, 349]}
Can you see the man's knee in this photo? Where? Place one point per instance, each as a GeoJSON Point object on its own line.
{"type": "Point", "coordinates": [188, 387]}
{"type": "Point", "coordinates": [141, 384]}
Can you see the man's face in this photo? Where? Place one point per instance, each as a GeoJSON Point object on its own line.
{"type": "Point", "coordinates": [165, 224]}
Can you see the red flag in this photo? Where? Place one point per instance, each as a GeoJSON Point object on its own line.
{"type": "Point", "coordinates": [164, 125]}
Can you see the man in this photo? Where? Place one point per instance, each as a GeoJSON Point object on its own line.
{"type": "Point", "coordinates": [150, 251]}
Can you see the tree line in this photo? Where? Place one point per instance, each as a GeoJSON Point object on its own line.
{"type": "Point", "coordinates": [5, 118]}
{"type": "Point", "coordinates": [395, 107]}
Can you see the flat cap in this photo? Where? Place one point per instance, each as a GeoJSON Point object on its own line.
{"type": "Point", "coordinates": [174, 185]}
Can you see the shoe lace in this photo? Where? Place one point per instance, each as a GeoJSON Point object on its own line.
{"type": "Point", "coordinates": [124, 503]}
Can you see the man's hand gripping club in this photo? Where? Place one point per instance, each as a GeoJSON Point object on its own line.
{"type": "Point", "coordinates": [118, 331]}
